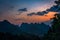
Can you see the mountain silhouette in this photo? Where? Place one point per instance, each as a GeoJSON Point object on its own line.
{"type": "Point", "coordinates": [9, 31]}
{"type": "Point", "coordinates": [34, 29]}
{"type": "Point", "coordinates": [37, 29]}
{"type": "Point", "coordinates": [6, 26]}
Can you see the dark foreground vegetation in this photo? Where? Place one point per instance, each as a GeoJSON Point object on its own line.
{"type": "Point", "coordinates": [8, 36]}
{"type": "Point", "coordinates": [54, 31]}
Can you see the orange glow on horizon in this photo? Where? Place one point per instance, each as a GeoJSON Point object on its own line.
{"type": "Point", "coordinates": [31, 19]}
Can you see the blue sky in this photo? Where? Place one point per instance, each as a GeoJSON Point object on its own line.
{"type": "Point", "coordinates": [9, 9]}
{"type": "Point", "coordinates": [29, 4]}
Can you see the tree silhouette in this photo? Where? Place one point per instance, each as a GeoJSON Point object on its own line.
{"type": "Point", "coordinates": [54, 31]}
{"type": "Point", "coordinates": [23, 36]}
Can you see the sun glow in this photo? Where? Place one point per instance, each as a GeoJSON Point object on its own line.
{"type": "Point", "coordinates": [34, 18]}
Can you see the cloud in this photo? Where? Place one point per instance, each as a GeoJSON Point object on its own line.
{"type": "Point", "coordinates": [31, 14]}
{"type": "Point", "coordinates": [38, 13]}
{"type": "Point", "coordinates": [57, 2]}
{"type": "Point", "coordinates": [54, 8]}
{"type": "Point", "coordinates": [23, 10]}
{"type": "Point", "coordinates": [41, 13]}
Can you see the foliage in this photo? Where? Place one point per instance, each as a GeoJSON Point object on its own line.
{"type": "Point", "coordinates": [8, 36]}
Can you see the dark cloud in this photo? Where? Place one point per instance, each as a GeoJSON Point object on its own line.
{"type": "Point", "coordinates": [31, 14]}
{"type": "Point", "coordinates": [54, 8]}
{"type": "Point", "coordinates": [38, 13]}
{"type": "Point", "coordinates": [24, 9]}
{"type": "Point", "coordinates": [57, 2]}
{"type": "Point", "coordinates": [41, 13]}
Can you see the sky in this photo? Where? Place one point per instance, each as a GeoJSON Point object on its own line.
{"type": "Point", "coordinates": [15, 11]}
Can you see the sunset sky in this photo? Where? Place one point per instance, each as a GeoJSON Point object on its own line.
{"type": "Point", "coordinates": [16, 11]}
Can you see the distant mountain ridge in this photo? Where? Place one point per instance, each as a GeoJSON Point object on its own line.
{"type": "Point", "coordinates": [5, 26]}
{"type": "Point", "coordinates": [37, 29]}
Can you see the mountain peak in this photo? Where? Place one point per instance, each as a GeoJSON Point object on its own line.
{"type": "Point", "coordinates": [6, 22]}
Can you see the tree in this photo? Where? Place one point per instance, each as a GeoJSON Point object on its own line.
{"type": "Point", "coordinates": [54, 31]}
